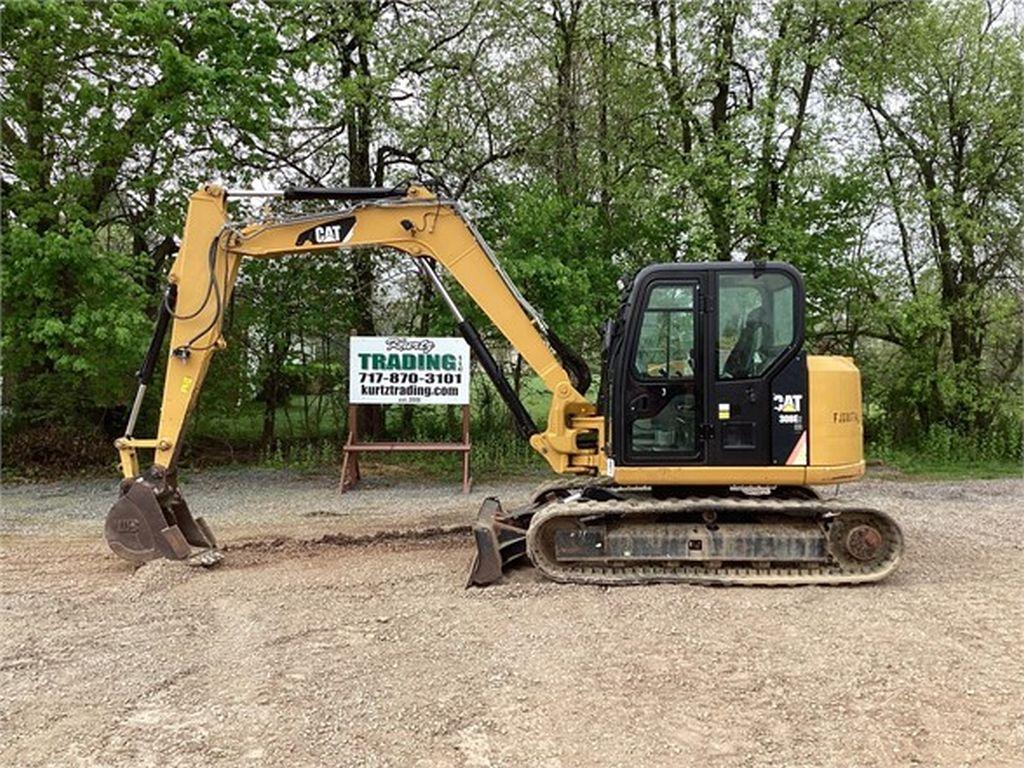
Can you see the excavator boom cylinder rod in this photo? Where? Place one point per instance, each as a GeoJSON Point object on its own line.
{"type": "Point", "coordinates": [524, 423]}
{"type": "Point", "coordinates": [145, 372]}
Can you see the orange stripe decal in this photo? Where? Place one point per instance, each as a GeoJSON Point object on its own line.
{"type": "Point", "coordinates": [799, 453]}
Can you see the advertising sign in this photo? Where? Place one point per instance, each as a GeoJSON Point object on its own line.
{"type": "Point", "coordinates": [408, 369]}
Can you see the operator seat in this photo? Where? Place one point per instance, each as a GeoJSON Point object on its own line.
{"type": "Point", "coordinates": [753, 339]}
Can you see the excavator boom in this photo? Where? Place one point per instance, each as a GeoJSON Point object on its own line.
{"type": "Point", "coordinates": [151, 519]}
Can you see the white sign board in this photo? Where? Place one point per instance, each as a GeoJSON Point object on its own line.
{"type": "Point", "coordinates": [408, 369]}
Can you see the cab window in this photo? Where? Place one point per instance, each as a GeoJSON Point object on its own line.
{"type": "Point", "coordinates": [665, 348]}
{"type": "Point", "coordinates": [755, 322]}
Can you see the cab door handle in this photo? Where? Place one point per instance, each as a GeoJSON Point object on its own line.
{"type": "Point", "coordinates": [640, 403]}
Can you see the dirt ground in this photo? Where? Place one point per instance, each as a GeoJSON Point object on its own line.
{"type": "Point", "coordinates": [297, 653]}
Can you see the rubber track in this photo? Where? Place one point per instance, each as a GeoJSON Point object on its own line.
{"type": "Point", "coordinates": [821, 574]}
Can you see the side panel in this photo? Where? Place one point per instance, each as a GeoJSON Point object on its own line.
{"type": "Point", "coordinates": [740, 429]}
{"type": "Point", "coordinates": [697, 475]}
{"type": "Point", "coordinates": [836, 429]}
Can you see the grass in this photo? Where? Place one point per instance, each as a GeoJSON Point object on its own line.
{"type": "Point", "coordinates": [921, 466]}
{"type": "Point", "coordinates": [497, 452]}
{"type": "Point", "coordinates": [501, 455]}
{"type": "Point", "coordinates": [233, 438]}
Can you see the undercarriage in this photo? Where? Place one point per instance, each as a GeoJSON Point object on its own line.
{"type": "Point", "coordinates": [604, 534]}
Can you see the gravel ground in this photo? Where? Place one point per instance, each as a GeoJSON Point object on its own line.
{"type": "Point", "coordinates": [298, 653]}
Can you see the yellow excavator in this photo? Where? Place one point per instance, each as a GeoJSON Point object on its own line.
{"type": "Point", "coordinates": [695, 464]}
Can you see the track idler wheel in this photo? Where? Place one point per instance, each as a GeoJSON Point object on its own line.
{"type": "Point", "coordinates": [859, 540]}
{"type": "Point", "coordinates": [151, 520]}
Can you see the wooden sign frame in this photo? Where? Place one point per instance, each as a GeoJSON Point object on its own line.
{"type": "Point", "coordinates": [350, 474]}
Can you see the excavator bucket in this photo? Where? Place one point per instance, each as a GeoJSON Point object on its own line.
{"type": "Point", "coordinates": [500, 540]}
{"type": "Point", "coordinates": [151, 520]}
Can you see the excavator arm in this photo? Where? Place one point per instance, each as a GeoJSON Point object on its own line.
{"type": "Point", "coordinates": [151, 519]}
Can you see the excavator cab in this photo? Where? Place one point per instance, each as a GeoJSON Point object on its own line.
{"type": "Point", "coordinates": [698, 355]}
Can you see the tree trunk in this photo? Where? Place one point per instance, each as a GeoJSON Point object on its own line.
{"type": "Point", "coordinates": [270, 394]}
{"type": "Point", "coordinates": [604, 174]}
{"type": "Point", "coordinates": [359, 128]}
{"type": "Point", "coordinates": [269, 419]}
{"type": "Point", "coordinates": [567, 161]}
{"type": "Point", "coordinates": [718, 179]}
{"type": "Point", "coordinates": [35, 148]}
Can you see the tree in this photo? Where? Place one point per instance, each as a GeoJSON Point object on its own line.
{"type": "Point", "coordinates": [943, 93]}
{"type": "Point", "coordinates": [875, 145]}
{"type": "Point", "coordinates": [110, 113]}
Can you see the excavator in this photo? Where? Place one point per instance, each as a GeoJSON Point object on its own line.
{"type": "Point", "coordinates": [696, 462]}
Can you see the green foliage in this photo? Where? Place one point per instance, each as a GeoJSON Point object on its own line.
{"type": "Point", "coordinates": [879, 147]}
{"type": "Point", "coordinates": [131, 98]}
{"type": "Point", "coordinates": [111, 111]}
{"type": "Point", "coordinates": [73, 316]}
{"type": "Point", "coordinates": [943, 88]}
{"type": "Point", "coordinates": [945, 454]}
{"type": "Point", "coordinates": [548, 244]}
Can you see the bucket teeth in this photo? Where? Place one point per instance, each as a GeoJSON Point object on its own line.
{"type": "Point", "coordinates": [176, 541]}
{"type": "Point", "coordinates": [207, 533]}
{"type": "Point", "coordinates": [151, 520]}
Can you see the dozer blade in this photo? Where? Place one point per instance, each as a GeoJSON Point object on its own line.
{"type": "Point", "coordinates": [500, 540]}
{"type": "Point", "coordinates": [152, 520]}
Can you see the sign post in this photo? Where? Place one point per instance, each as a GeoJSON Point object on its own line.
{"type": "Point", "coordinates": [403, 370]}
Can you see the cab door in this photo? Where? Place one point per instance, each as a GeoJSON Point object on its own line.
{"type": "Point", "coordinates": [756, 373]}
{"type": "Point", "coordinates": [658, 390]}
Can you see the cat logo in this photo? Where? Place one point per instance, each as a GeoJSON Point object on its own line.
{"type": "Point", "coordinates": [328, 233]}
{"type": "Point", "coordinates": [126, 525]}
{"type": "Point", "coordinates": [788, 403]}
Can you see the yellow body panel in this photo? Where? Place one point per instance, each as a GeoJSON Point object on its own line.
{"type": "Point", "coordinates": [835, 430]}
{"type": "Point", "coordinates": [698, 475]}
